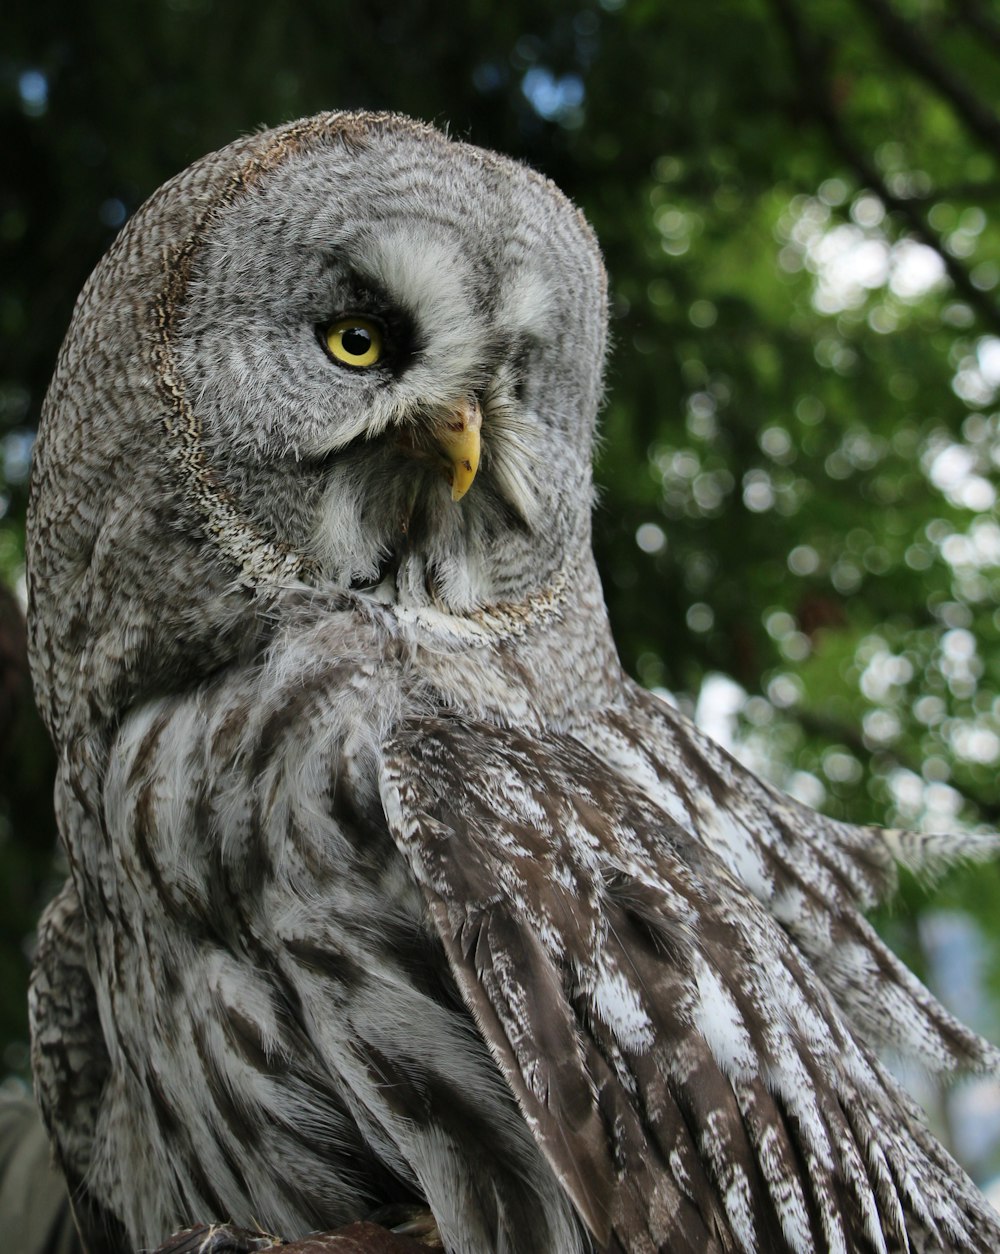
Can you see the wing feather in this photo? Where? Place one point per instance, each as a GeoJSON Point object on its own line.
{"type": "Point", "coordinates": [814, 875]}
{"type": "Point", "coordinates": [675, 1051]}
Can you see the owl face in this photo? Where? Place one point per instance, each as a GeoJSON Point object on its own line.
{"type": "Point", "coordinates": [283, 372]}
{"type": "Point", "coordinates": [377, 329]}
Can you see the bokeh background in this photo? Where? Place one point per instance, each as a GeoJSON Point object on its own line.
{"type": "Point", "coordinates": [798, 526]}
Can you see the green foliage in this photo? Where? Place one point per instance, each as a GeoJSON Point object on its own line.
{"type": "Point", "coordinates": [802, 430]}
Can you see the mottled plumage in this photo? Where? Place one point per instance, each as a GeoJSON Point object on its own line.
{"type": "Point", "coordinates": [386, 884]}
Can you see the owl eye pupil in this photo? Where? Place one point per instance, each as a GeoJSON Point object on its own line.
{"type": "Point", "coordinates": [356, 341]}
{"type": "Point", "coordinates": [353, 340]}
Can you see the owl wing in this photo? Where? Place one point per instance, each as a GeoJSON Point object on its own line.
{"type": "Point", "coordinates": [674, 1051]}
{"type": "Point", "coordinates": [813, 874]}
{"type": "Point", "coordinates": [69, 1064]}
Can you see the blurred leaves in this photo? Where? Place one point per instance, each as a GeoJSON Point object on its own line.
{"type": "Point", "coordinates": [802, 435]}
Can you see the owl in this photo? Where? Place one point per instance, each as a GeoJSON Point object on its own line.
{"type": "Point", "coordinates": [387, 886]}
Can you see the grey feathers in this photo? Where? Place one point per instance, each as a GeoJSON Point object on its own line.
{"type": "Point", "coordinates": [386, 884]}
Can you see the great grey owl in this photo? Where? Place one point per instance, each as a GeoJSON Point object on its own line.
{"type": "Point", "coordinates": [386, 884]}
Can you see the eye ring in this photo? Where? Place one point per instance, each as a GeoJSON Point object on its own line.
{"type": "Point", "coordinates": [354, 341]}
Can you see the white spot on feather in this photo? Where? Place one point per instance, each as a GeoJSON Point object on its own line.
{"type": "Point", "coordinates": [617, 1004]}
{"type": "Point", "coordinates": [740, 851]}
{"type": "Point", "coordinates": [718, 1018]}
{"type": "Point", "coordinates": [739, 1207]}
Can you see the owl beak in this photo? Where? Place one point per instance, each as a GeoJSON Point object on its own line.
{"type": "Point", "coordinates": [457, 436]}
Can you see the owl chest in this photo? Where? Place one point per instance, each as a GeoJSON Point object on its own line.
{"type": "Point", "coordinates": [241, 932]}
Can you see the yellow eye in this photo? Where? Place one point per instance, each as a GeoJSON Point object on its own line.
{"type": "Point", "coordinates": [354, 341]}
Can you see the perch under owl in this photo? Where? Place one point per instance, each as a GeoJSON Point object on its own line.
{"type": "Point", "coordinates": [386, 884]}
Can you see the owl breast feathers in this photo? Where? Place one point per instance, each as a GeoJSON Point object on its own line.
{"type": "Point", "coordinates": [386, 884]}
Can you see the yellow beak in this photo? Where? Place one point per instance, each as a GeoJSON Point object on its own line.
{"type": "Point", "coordinates": [457, 436]}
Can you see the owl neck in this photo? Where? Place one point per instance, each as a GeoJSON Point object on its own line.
{"type": "Point", "coordinates": [542, 661]}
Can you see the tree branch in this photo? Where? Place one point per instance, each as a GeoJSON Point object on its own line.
{"type": "Point", "coordinates": [976, 192]}
{"type": "Point", "coordinates": [902, 40]}
{"type": "Point", "coordinates": [982, 23]}
{"type": "Point", "coordinates": [811, 68]}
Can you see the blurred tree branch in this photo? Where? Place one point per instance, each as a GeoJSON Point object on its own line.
{"type": "Point", "coordinates": [974, 16]}
{"type": "Point", "coordinates": [811, 61]}
{"type": "Point", "coordinates": [902, 40]}
{"type": "Point", "coordinates": [976, 192]}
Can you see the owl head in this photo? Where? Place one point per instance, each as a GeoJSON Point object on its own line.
{"type": "Point", "coordinates": [346, 354]}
